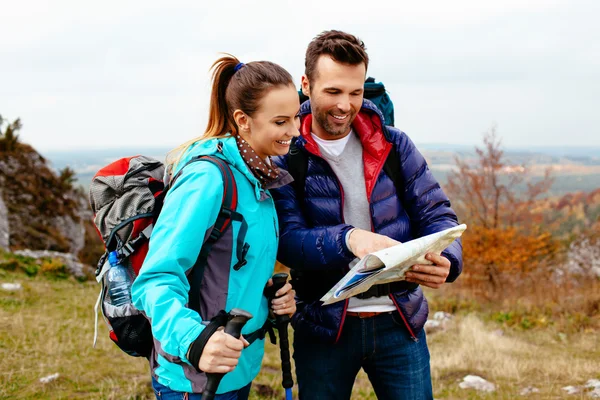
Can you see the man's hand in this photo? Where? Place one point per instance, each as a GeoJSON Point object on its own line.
{"type": "Point", "coordinates": [363, 242]}
{"type": "Point", "coordinates": [221, 353]}
{"type": "Point", "coordinates": [286, 304]}
{"type": "Point", "coordinates": [433, 276]}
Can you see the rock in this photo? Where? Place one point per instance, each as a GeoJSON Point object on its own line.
{"type": "Point", "coordinates": [477, 383]}
{"type": "Point", "coordinates": [583, 258]}
{"type": "Point", "coordinates": [594, 384]}
{"type": "Point", "coordinates": [528, 390]}
{"type": "Point", "coordinates": [498, 332]}
{"type": "Point", "coordinates": [11, 287]}
{"type": "Point", "coordinates": [72, 230]}
{"type": "Point", "coordinates": [45, 212]}
{"type": "Point", "coordinates": [442, 316]}
{"type": "Point", "coordinates": [73, 265]}
{"type": "Point", "coordinates": [438, 323]}
{"type": "Point", "coordinates": [571, 389]}
{"type": "Point", "coordinates": [4, 227]}
{"type": "Point", "coordinates": [49, 378]}
{"type": "Point", "coordinates": [590, 384]}
{"type": "Point", "coordinates": [432, 326]}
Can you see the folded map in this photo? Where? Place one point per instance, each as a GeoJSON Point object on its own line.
{"type": "Point", "coordinates": [391, 264]}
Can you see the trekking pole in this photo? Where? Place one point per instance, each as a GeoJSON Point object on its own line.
{"type": "Point", "coordinates": [237, 320]}
{"type": "Point", "coordinates": [281, 323]}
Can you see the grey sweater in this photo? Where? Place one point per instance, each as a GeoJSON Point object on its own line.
{"type": "Point", "coordinates": [349, 169]}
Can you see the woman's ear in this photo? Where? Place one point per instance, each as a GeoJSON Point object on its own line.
{"type": "Point", "coordinates": [241, 120]}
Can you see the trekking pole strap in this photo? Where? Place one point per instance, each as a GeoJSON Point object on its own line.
{"type": "Point", "coordinates": [198, 345]}
{"type": "Point", "coordinates": [261, 332]}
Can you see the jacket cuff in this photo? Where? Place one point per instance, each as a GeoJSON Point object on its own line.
{"type": "Point", "coordinates": [454, 266]}
{"type": "Point", "coordinates": [197, 346]}
{"type": "Point", "coordinates": [343, 241]}
{"type": "Point", "coordinates": [347, 239]}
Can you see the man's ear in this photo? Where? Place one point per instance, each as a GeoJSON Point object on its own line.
{"type": "Point", "coordinates": [305, 86]}
{"type": "Point", "coordinates": [241, 120]}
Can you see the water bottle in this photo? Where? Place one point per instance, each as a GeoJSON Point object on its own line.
{"type": "Point", "coordinates": [118, 281]}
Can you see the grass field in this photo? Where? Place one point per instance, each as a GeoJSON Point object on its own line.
{"type": "Point", "coordinates": [47, 327]}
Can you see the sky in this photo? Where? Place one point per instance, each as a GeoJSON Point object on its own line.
{"type": "Point", "coordinates": [136, 73]}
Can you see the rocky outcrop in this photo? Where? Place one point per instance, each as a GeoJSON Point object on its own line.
{"type": "Point", "coordinates": [4, 227]}
{"type": "Point", "coordinates": [43, 211]}
{"type": "Point", "coordinates": [72, 230]}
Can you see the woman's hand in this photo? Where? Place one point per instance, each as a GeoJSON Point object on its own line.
{"type": "Point", "coordinates": [286, 304]}
{"type": "Point", "coordinates": [221, 353]}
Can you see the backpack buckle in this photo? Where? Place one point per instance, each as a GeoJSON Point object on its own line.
{"type": "Point", "coordinates": [215, 235]}
{"type": "Point", "coordinates": [242, 260]}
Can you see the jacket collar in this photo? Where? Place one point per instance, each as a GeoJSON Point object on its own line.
{"type": "Point", "coordinates": [368, 125]}
{"type": "Point", "coordinates": [226, 149]}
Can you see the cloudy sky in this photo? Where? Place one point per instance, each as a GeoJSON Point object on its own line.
{"type": "Point", "coordinates": [120, 73]}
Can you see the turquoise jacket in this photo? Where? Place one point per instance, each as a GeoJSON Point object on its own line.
{"type": "Point", "coordinates": [161, 290]}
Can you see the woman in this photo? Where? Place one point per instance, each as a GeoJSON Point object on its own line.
{"type": "Point", "coordinates": [253, 115]}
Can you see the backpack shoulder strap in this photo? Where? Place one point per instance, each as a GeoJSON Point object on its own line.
{"type": "Point", "coordinates": [226, 215]}
{"type": "Point", "coordinates": [392, 167]}
{"type": "Point", "coordinates": [298, 167]}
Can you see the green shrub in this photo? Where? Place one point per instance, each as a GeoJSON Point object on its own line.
{"type": "Point", "coordinates": [10, 264]}
{"type": "Point", "coordinates": [54, 268]}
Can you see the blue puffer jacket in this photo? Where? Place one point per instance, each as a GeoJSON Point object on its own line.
{"type": "Point", "coordinates": [312, 240]}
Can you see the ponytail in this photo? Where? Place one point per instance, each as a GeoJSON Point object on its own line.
{"type": "Point", "coordinates": [235, 86]}
{"type": "Point", "coordinates": [220, 120]}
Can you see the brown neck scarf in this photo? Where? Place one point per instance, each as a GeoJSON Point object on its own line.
{"type": "Point", "coordinates": [263, 171]}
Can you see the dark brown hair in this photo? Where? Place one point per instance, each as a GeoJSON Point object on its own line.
{"type": "Point", "coordinates": [341, 46]}
{"type": "Point", "coordinates": [240, 90]}
{"type": "Point", "coordinates": [235, 86]}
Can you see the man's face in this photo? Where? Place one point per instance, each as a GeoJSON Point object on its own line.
{"type": "Point", "coordinates": [336, 95]}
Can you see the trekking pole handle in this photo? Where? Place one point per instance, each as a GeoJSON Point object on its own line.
{"type": "Point", "coordinates": [237, 320]}
{"type": "Point", "coordinates": [279, 281]}
{"type": "Point", "coordinates": [281, 322]}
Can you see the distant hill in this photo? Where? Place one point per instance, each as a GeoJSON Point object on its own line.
{"type": "Point", "coordinates": [574, 168]}
{"type": "Point", "coordinates": [87, 162]}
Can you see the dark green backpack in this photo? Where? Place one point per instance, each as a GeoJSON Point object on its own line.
{"type": "Point", "coordinates": [374, 91]}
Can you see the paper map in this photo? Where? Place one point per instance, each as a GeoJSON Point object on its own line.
{"type": "Point", "coordinates": [390, 265]}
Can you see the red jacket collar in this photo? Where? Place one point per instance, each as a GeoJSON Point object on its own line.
{"type": "Point", "coordinates": [376, 148]}
{"type": "Point", "coordinates": [366, 125]}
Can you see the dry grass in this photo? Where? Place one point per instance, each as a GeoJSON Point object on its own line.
{"type": "Point", "coordinates": [48, 327]}
{"type": "Point", "coordinates": [512, 361]}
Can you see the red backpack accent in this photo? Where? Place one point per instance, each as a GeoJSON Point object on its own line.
{"type": "Point", "coordinates": [126, 197]}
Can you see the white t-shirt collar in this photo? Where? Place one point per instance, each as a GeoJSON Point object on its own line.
{"type": "Point", "coordinates": [333, 147]}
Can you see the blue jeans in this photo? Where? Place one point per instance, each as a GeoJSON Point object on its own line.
{"type": "Point", "coordinates": [164, 393]}
{"type": "Point", "coordinates": [397, 366]}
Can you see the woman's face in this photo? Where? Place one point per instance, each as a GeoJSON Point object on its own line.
{"type": "Point", "coordinates": [271, 129]}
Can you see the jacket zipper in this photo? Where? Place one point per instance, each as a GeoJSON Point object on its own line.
{"type": "Point", "coordinates": [410, 331]}
{"type": "Point", "coordinates": [343, 222]}
{"type": "Point", "coordinates": [391, 295]}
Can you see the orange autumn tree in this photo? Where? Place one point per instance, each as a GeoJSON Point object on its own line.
{"type": "Point", "coordinates": [504, 237]}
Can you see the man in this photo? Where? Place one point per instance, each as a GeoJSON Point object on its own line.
{"type": "Point", "coordinates": [346, 207]}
